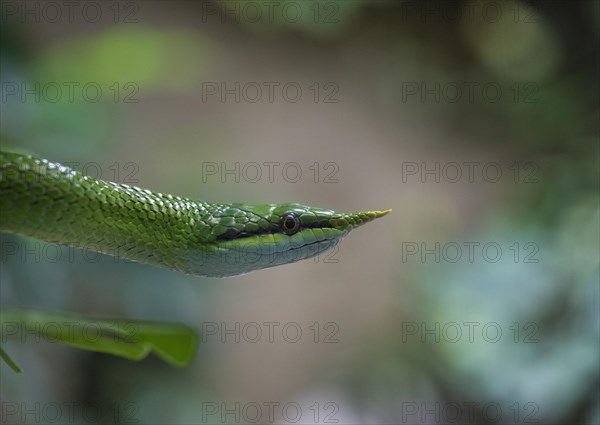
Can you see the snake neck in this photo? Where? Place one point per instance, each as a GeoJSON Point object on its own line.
{"type": "Point", "coordinates": [49, 201]}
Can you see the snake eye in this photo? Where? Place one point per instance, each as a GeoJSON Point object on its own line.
{"type": "Point", "coordinates": [289, 223]}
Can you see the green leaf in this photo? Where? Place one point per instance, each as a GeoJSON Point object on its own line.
{"type": "Point", "coordinates": [175, 343]}
{"type": "Point", "coordinates": [9, 361]}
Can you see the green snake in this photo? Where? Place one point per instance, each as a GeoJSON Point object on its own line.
{"type": "Point", "coordinates": [49, 201]}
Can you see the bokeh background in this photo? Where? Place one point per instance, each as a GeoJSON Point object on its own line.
{"type": "Point", "coordinates": [388, 101]}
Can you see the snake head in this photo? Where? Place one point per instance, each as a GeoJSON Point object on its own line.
{"type": "Point", "coordinates": [253, 237]}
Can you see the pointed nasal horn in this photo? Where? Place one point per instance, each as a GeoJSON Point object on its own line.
{"type": "Point", "coordinates": [359, 218]}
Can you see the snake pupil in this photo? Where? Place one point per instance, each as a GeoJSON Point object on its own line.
{"type": "Point", "coordinates": [290, 223]}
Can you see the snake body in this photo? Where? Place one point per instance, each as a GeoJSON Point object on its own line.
{"type": "Point", "coordinates": [52, 202]}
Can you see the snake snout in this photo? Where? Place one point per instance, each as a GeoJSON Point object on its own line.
{"type": "Point", "coordinates": [356, 219]}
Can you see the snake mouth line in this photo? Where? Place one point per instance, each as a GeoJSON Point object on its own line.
{"type": "Point", "coordinates": [333, 239]}
{"type": "Point", "coordinates": [277, 247]}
